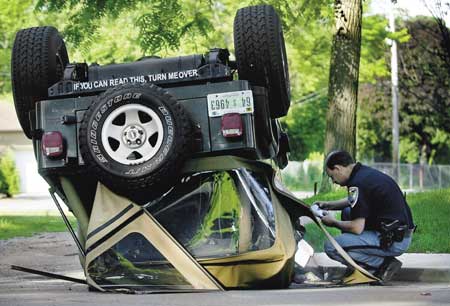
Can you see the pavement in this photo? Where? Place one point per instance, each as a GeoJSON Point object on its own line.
{"type": "Point", "coordinates": [30, 204]}
{"type": "Point", "coordinates": [416, 267]}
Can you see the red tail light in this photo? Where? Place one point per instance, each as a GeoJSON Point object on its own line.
{"type": "Point", "coordinates": [231, 125]}
{"type": "Point", "coordinates": [52, 144]}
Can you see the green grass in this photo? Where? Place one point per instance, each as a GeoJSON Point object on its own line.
{"type": "Point", "coordinates": [335, 195]}
{"type": "Point", "coordinates": [25, 226]}
{"type": "Point", "coordinates": [431, 211]}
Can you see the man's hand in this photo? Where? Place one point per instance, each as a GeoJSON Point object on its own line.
{"type": "Point", "coordinates": [321, 204]}
{"type": "Point", "coordinates": [328, 220]}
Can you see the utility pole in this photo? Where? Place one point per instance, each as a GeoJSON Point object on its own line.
{"type": "Point", "coordinates": [395, 97]}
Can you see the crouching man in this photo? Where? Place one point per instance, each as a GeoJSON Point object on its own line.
{"type": "Point", "coordinates": [376, 221]}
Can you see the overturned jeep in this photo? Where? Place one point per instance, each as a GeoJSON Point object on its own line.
{"type": "Point", "coordinates": [169, 165]}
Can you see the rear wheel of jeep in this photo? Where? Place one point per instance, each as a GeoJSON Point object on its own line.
{"type": "Point", "coordinates": [39, 57]}
{"type": "Point", "coordinates": [135, 136]}
{"type": "Point", "coordinates": [261, 54]}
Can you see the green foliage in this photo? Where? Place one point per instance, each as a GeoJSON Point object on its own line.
{"type": "Point", "coordinates": [160, 28]}
{"type": "Point", "coordinates": [401, 36]}
{"type": "Point", "coordinates": [329, 196]}
{"type": "Point", "coordinates": [373, 47]}
{"type": "Point", "coordinates": [157, 26]}
{"type": "Point", "coordinates": [424, 83]}
{"type": "Point", "coordinates": [304, 181]}
{"type": "Point", "coordinates": [305, 125]}
{"type": "Point", "coordinates": [409, 151]}
{"type": "Point", "coordinates": [25, 226]}
{"type": "Point", "coordinates": [9, 177]}
{"type": "Point", "coordinates": [374, 124]}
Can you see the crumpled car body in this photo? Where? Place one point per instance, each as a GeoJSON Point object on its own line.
{"type": "Point", "coordinates": [225, 212]}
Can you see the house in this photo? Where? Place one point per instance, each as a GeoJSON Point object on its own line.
{"type": "Point", "coordinates": [12, 137]}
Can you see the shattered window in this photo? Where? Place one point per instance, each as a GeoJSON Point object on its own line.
{"type": "Point", "coordinates": [217, 214]}
{"type": "Point", "coordinates": [212, 214]}
{"type": "Point", "coordinates": [134, 263]}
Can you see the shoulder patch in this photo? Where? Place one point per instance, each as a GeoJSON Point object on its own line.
{"type": "Point", "coordinates": [353, 193]}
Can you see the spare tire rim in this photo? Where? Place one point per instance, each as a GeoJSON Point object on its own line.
{"type": "Point", "coordinates": [132, 134]}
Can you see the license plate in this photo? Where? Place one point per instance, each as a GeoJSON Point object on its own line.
{"type": "Point", "coordinates": [230, 102]}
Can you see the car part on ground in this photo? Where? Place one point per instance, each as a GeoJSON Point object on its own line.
{"type": "Point", "coordinates": [39, 57]}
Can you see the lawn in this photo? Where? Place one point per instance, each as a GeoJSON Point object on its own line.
{"type": "Point", "coordinates": [431, 211]}
{"type": "Point", "coordinates": [25, 226]}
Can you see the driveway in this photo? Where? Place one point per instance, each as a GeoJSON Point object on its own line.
{"type": "Point", "coordinates": [30, 204]}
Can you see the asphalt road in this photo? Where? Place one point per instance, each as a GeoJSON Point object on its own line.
{"type": "Point", "coordinates": [36, 291]}
{"type": "Point", "coordinates": [55, 252]}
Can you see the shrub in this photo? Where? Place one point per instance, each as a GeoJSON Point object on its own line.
{"type": "Point", "coordinates": [9, 177]}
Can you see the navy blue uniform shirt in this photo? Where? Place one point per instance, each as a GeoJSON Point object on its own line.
{"type": "Point", "coordinates": [375, 196]}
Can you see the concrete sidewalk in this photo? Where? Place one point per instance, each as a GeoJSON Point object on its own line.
{"type": "Point", "coordinates": [416, 267]}
{"type": "Point", "coordinates": [30, 204]}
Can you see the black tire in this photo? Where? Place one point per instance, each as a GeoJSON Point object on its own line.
{"type": "Point", "coordinates": [261, 54]}
{"type": "Point", "coordinates": [101, 146]}
{"type": "Point", "coordinates": [39, 57]}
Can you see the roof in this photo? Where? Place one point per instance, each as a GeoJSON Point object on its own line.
{"type": "Point", "coordinates": [8, 118]}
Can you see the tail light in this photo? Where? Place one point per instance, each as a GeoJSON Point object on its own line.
{"type": "Point", "coordinates": [52, 144]}
{"type": "Point", "coordinates": [231, 125]}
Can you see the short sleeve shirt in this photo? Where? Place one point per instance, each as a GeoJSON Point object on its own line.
{"type": "Point", "coordinates": [375, 196]}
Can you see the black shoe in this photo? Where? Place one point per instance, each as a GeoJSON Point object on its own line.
{"type": "Point", "coordinates": [388, 269]}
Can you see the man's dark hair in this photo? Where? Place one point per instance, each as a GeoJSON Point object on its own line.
{"type": "Point", "coordinates": [342, 158]}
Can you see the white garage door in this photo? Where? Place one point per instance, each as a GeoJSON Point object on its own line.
{"type": "Point", "coordinates": [30, 180]}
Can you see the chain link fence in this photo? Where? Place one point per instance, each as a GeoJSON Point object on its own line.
{"type": "Point", "coordinates": [410, 177]}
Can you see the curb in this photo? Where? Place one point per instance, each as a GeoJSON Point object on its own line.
{"type": "Point", "coordinates": [429, 275]}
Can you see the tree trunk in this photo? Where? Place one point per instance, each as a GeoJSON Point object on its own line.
{"type": "Point", "coordinates": [343, 83]}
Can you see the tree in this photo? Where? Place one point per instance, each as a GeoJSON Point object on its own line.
{"type": "Point", "coordinates": [305, 122]}
{"type": "Point", "coordinates": [439, 9]}
{"type": "Point", "coordinates": [425, 94]}
{"type": "Point", "coordinates": [343, 84]}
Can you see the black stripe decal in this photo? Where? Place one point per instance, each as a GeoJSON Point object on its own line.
{"type": "Point", "coordinates": [114, 219]}
{"type": "Point", "coordinates": [113, 232]}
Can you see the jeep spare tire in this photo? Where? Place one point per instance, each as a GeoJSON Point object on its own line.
{"type": "Point", "coordinates": [135, 136]}
{"type": "Point", "coordinates": [261, 54]}
{"type": "Point", "coordinates": [39, 57]}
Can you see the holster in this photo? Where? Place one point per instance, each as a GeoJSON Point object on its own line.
{"type": "Point", "coordinates": [391, 231]}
